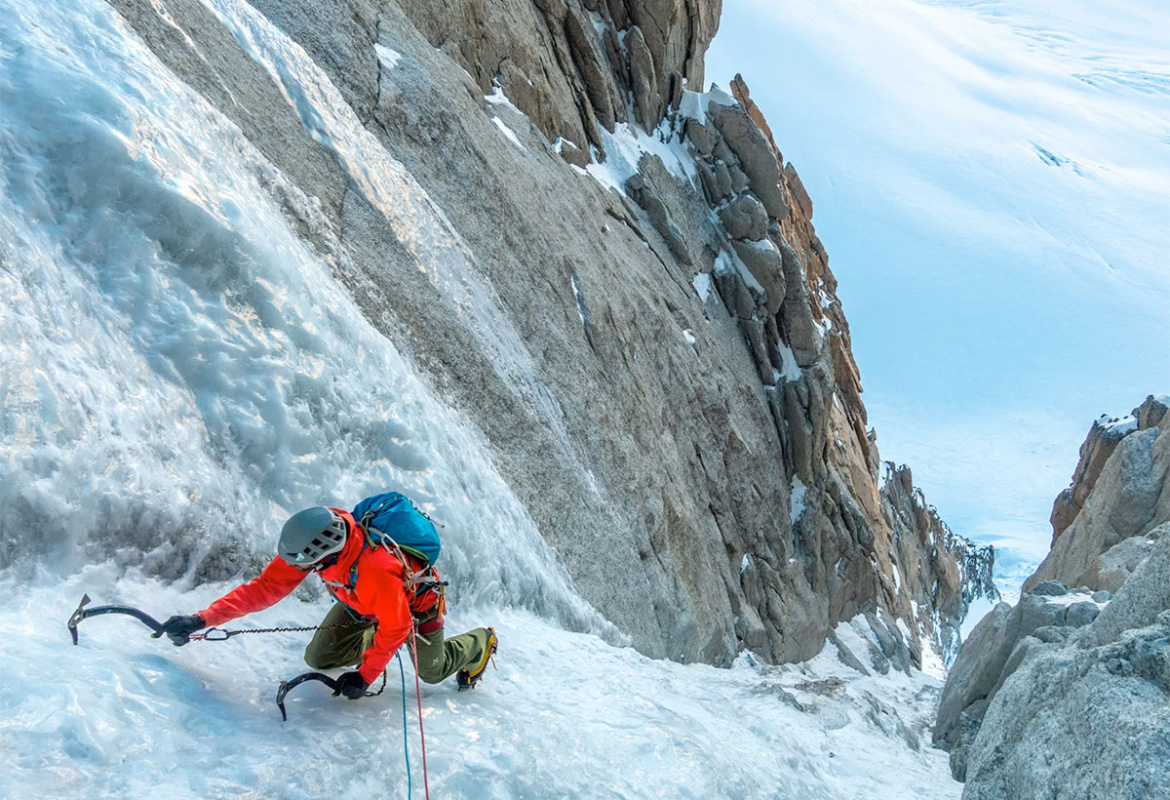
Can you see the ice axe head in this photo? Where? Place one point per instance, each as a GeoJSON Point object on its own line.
{"type": "Point", "coordinates": [77, 617]}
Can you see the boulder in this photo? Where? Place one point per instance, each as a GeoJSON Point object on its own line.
{"type": "Point", "coordinates": [745, 218]}
{"type": "Point", "coordinates": [755, 156]}
{"type": "Point", "coordinates": [702, 137]}
{"type": "Point", "coordinates": [589, 57]}
{"type": "Point", "coordinates": [723, 186]}
{"type": "Point", "coordinates": [1082, 704]}
{"type": "Point", "coordinates": [571, 153]}
{"type": "Point", "coordinates": [1074, 723]}
{"type": "Point", "coordinates": [1081, 614]}
{"type": "Point", "coordinates": [754, 331]}
{"type": "Point", "coordinates": [975, 672]}
{"type": "Point", "coordinates": [735, 295]}
{"type": "Point", "coordinates": [764, 262]}
{"type": "Point", "coordinates": [800, 330]}
{"type": "Point", "coordinates": [1117, 563]}
{"type": "Point", "coordinates": [656, 210]}
{"type": "Point", "coordinates": [1049, 589]}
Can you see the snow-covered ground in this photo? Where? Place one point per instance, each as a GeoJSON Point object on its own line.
{"type": "Point", "coordinates": [565, 715]}
{"type": "Point", "coordinates": [177, 377]}
{"type": "Point", "coordinates": [991, 179]}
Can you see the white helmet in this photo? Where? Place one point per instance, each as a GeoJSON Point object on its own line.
{"type": "Point", "coordinates": [311, 535]}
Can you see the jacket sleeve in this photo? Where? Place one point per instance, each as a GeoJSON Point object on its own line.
{"type": "Point", "coordinates": [387, 596]}
{"type": "Point", "coordinates": [275, 583]}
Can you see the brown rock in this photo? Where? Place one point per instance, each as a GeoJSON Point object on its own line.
{"type": "Point", "coordinates": [599, 86]}
{"type": "Point", "coordinates": [756, 157]}
{"type": "Point", "coordinates": [803, 201]}
{"type": "Point", "coordinates": [765, 265]}
{"type": "Point", "coordinates": [739, 90]}
{"type": "Point", "coordinates": [644, 79]}
{"type": "Point", "coordinates": [745, 218]}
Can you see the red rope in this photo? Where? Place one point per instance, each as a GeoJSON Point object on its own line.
{"type": "Point", "coordinates": [418, 691]}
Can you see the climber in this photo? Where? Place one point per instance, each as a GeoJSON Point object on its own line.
{"type": "Point", "coordinates": [382, 592]}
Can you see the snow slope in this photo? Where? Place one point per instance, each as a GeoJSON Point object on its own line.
{"type": "Point", "coordinates": [992, 181]}
{"type": "Point", "coordinates": [177, 378]}
{"type": "Point", "coordinates": [565, 715]}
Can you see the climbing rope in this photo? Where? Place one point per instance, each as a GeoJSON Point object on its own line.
{"type": "Point", "coordinates": [418, 690]}
{"type": "Point", "coordinates": [405, 730]}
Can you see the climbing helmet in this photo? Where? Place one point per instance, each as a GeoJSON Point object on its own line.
{"type": "Point", "coordinates": [311, 535]}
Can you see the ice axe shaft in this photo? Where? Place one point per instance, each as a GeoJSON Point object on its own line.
{"type": "Point", "coordinates": [83, 613]}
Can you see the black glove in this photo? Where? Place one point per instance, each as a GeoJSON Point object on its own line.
{"type": "Point", "coordinates": [352, 685]}
{"type": "Point", "coordinates": [179, 629]}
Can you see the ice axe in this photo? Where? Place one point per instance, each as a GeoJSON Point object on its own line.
{"type": "Point", "coordinates": [286, 686]}
{"type": "Point", "coordinates": [83, 613]}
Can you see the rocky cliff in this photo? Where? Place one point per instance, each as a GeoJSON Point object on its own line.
{"type": "Point", "coordinates": [1069, 691]}
{"type": "Point", "coordinates": [614, 277]}
{"type": "Point", "coordinates": [947, 573]}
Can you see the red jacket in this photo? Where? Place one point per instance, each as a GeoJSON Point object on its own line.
{"type": "Point", "coordinates": [377, 592]}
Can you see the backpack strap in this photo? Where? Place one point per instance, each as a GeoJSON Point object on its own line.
{"type": "Point", "coordinates": [412, 579]}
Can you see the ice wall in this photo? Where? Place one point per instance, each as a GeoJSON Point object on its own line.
{"type": "Point", "coordinates": [180, 369]}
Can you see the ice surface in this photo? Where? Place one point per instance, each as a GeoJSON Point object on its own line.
{"type": "Point", "coordinates": [702, 284]}
{"type": "Point", "coordinates": [1122, 426]}
{"type": "Point", "coordinates": [791, 370]}
{"type": "Point", "coordinates": [1073, 597]}
{"type": "Point", "coordinates": [979, 608]}
{"type": "Point", "coordinates": [182, 367]}
{"type": "Point", "coordinates": [388, 57]}
{"type": "Point", "coordinates": [564, 715]}
{"type": "Point", "coordinates": [694, 105]}
{"type": "Point", "coordinates": [628, 144]}
{"type": "Point", "coordinates": [508, 133]}
{"type": "Point", "coordinates": [498, 98]}
{"type": "Point", "coordinates": [798, 491]}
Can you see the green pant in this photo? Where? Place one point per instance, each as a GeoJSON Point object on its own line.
{"type": "Point", "coordinates": [438, 658]}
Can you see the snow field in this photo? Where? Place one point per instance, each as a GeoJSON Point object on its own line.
{"type": "Point", "coordinates": [565, 715]}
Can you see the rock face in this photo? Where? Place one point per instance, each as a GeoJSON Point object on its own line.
{"type": "Point", "coordinates": [1124, 467]}
{"type": "Point", "coordinates": [663, 374]}
{"type": "Point", "coordinates": [573, 66]}
{"type": "Point", "coordinates": [1069, 691]}
{"type": "Point", "coordinates": [947, 573]}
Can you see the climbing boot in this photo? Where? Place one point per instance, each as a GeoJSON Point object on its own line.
{"type": "Point", "coordinates": [467, 678]}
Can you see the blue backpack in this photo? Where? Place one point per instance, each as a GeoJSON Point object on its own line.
{"type": "Point", "coordinates": [391, 519]}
